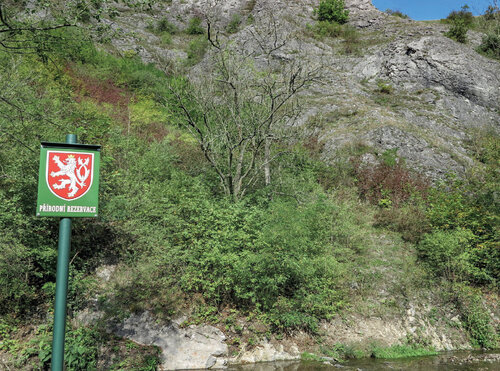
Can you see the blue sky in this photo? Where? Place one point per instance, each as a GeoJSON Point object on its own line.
{"type": "Point", "coordinates": [431, 9]}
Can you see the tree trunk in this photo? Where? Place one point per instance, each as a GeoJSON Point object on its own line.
{"type": "Point", "coordinates": [267, 162]}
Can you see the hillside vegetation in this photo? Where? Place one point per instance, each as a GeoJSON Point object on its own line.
{"type": "Point", "coordinates": [302, 240]}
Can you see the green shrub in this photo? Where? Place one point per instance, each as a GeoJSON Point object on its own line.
{"type": "Point", "coordinates": [310, 357]}
{"type": "Point", "coordinates": [276, 257]}
{"type": "Point", "coordinates": [164, 25]}
{"type": "Point", "coordinates": [463, 15]}
{"type": "Point", "coordinates": [472, 206]}
{"type": "Point", "coordinates": [490, 45]}
{"type": "Point", "coordinates": [196, 50]}
{"type": "Point", "coordinates": [194, 27]}
{"type": "Point", "coordinates": [461, 21]}
{"type": "Point", "coordinates": [447, 254]}
{"type": "Point", "coordinates": [16, 267]}
{"type": "Point", "coordinates": [458, 31]}
{"type": "Point", "coordinates": [234, 25]}
{"type": "Point", "coordinates": [384, 88]}
{"type": "Point", "coordinates": [475, 316]}
{"type": "Point", "coordinates": [284, 318]}
{"type": "Point", "coordinates": [396, 13]}
{"type": "Point", "coordinates": [80, 350]}
{"type": "Point", "coordinates": [332, 11]}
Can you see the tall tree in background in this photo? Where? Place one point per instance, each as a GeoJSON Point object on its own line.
{"type": "Point", "coordinates": [245, 99]}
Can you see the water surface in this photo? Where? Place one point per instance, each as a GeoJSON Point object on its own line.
{"type": "Point", "coordinates": [450, 361]}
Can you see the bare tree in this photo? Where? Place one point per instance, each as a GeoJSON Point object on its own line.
{"type": "Point", "coordinates": [243, 102]}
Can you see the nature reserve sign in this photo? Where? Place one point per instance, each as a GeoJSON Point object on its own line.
{"type": "Point", "coordinates": [68, 181]}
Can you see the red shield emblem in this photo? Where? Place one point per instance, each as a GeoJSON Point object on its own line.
{"type": "Point", "coordinates": [69, 174]}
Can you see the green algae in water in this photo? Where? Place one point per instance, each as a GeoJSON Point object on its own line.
{"type": "Point", "coordinates": [401, 351]}
{"type": "Point", "coordinates": [449, 361]}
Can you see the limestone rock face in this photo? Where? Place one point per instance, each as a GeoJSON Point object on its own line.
{"type": "Point", "coordinates": [194, 347]}
{"type": "Point", "coordinates": [433, 61]}
{"type": "Point", "coordinates": [363, 14]}
{"type": "Point", "coordinates": [414, 150]}
{"type": "Point", "coordinates": [359, 5]}
{"type": "Point", "coordinates": [443, 91]}
{"type": "Point", "coordinates": [266, 352]}
{"type": "Point", "coordinates": [197, 347]}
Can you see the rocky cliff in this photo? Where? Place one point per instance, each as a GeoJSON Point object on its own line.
{"type": "Point", "coordinates": [439, 91]}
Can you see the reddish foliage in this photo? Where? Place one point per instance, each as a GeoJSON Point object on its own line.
{"type": "Point", "coordinates": [394, 182]}
{"type": "Point", "coordinates": [102, 92]}
{"type": "Point", "coordinates": [314, 146]}
{"type": "Point", "coordinates": [155, 131]}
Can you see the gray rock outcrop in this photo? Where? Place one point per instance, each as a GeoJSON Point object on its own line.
{"type": "Point", "coordinates": [360, 5]}
{"type": "Point", "coordinates": [416, 151]}
{"type": "Point", "coordinates": [265, 352]}
{"type": "Point", "coordinates": [197, 347]}
{"type": "Point", "coordinates": [414, 323]}
{"type": "Point", "coordinates": [437, 61]}
{"type": "Point", "coordinates": [194, 347]}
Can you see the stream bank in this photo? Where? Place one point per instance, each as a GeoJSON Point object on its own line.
{"type": "Point", "coordinates": [446, 361]}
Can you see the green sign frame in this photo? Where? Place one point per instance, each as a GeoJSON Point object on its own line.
{"type": "Point", "coordinates": [68, 180]}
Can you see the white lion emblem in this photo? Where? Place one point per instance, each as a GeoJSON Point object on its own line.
{"type": "Point", "coordinates": [69, 169]}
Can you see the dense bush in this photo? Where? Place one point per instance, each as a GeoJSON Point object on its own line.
{"type": "Point", "coordinates": [447, 253]}
{"type": "Point", "coordinates": [471, 208]}
{"type": "Point", "coordinates": [286, 258]}
{"type": "Point", "coordinates": [332, 11]}
{"type": "Point", "coordinates": [28, 244]}
{"type": "Point", "coordinates": [455, 223]}
{"type": "Point", "coordinates": [461, 21]}
{"type": "Point", "coordinates": [196, 50]}
{"type": "Point", "coordinates": [278, 257]}
{"type": "Point", "coordinates": [475, 317]}
{"type": "Point", "coordinates": [389, 183]}
{"type": "Point", "coordinates": [464, 216]}
{"type": "Point", "coordinates": [490, 45]}
{"type": "Point", "coordinates": [164, 25]}
{"type": "Point", "coordinates": [463, 15]}
{"type": "Point", "coordinates": [234, 25]}
{"type": "Point", "coordinates": [194, 27]}
{"type": "Point", "coordinates": [458, 31]}
{"type": "Point", "coordinates": [16, 290]}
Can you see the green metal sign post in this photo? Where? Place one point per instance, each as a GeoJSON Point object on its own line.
{"type": "Point", "coordinates": [68, 186]}
{"type": "Point", "coordinates": [61, 294]}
